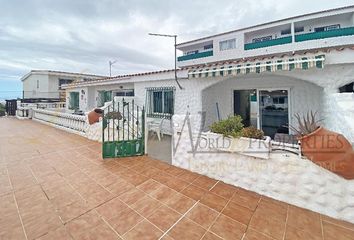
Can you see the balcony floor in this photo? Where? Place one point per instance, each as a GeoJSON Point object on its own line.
{"type": "Point", "coordinates": [55, 185]}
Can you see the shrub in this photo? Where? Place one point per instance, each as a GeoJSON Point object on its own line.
{"type": "Point", "coordinates": [252, 132]}
{"type": "Point", "coordinates": [232, 126]}
{"type": "Point", "coordinates": [2, 110]}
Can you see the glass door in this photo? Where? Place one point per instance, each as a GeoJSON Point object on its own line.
{"type": "Point", "coordinates": [273, 111]}
{"type": "Point", "coordinates": [245, 105]}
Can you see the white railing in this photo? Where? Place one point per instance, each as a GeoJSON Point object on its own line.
{"type": "Point", "coordinates": [65, 121]}
{"type": "Point", "coordinates": [42, 105]}
{"type": "Point", "coordinates": [24, 110]}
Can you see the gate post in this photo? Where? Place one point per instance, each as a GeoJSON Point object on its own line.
{"type": "Point", "coordinates": [145, 135]}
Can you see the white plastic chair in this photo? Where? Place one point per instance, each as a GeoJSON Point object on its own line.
{"type": "Point", "coordinates": [156, 127]}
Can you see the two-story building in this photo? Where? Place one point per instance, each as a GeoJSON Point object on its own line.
{"type": "Point", "coordinates": [46, 84]}
{"type": "Point", "coordinates": [265, 73]}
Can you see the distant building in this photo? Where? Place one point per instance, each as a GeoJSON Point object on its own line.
{"type": "Point", "coordinates": [46, 84]}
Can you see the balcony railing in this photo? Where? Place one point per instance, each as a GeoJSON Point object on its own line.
{"type": "Point", "coordinates": [326, 34]}
{"type": "Point", "coordinates": [269, 43]}
{"type": "Point", "coordinates": [196, 55]}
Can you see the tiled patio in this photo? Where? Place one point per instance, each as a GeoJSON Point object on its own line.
{"type": "Point", "coordinates": [54, 185]}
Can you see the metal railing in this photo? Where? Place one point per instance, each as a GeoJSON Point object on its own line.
{"type": "Point", "coordinates": [195, 55]}
{"type": "Point", "coordinates": [325, 34]}
{"type": "Point", "coordinates": [269, 43]}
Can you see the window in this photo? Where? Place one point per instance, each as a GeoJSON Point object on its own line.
{"type": "Point", "coordinates": [327, 28]}
{"type": "Point", "coordinates": [192, 52]}
{"type": "Point", "coordinates": [160, 102]}
{"type": "Point", "coordinates": [37, 83]}
{"type": "Point", "coordinates": [347, 88]}
{"type": "Point", "coordinates": [227, 44]}
{"type": "Point", "coordinates": [332, 27]}
{"type": "Point", "coordinates": [214, 72]}
{"type": "Point", "coordinates": [104, 96]}
{"type": "Point", "coordinates": [64, 81]}
{"type": "Point", "coordinates": [262, 39]}
{"type": "Point", "coordinates": [230, 70]}
{"type": "Point", "coordinates": [74, 101]}
{"type": "Point", "coordinates": [285, 32]}
{"type": "Point", "coordinates": [222, 71]}
{"type": "Point", "coordinates": [299, 29]}
{"type": "Point", "coordinates": [209, 46]}
{"type": "Point", "coordinates": [124, 93]}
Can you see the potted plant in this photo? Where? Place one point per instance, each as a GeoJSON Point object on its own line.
{"type": "Point", "coordinates": [326, 148]}
{"type": "Point", "coordinates": [248, 141]}
{"type": "Point", "coordinates": [94, 115]}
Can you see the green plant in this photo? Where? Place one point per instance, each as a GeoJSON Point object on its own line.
{"type": "Point", "coordinates": [2, 110]}
{"type": "Point", "coordinates": [306, 124]}
{"type": "Point", "coordinates": [252, 132]}
{"type": "Point", "coordinates": [232, 126]}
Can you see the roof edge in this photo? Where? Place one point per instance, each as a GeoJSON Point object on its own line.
{"type": "Point", "coordinates": [59, 72]}
{"type": "Point", "coordinates": [263, 24]}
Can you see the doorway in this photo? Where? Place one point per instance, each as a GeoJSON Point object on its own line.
{"type": "Point", "coordinates": [262, 108]}
{"type": "Point", "coordinates": [245, 105]}
{"type": "Point", "coordinates": [273, 111]}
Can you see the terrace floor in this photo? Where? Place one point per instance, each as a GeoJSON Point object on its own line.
{"type": "Point", "coordinates": [55, 185]}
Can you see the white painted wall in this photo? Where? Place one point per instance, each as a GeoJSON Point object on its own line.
{"type": "Point", "coordinates": [30, 87]}
{"type": "Point", "coordinates": [303, 96]}
{"type": "Point", "coordinates": [339, 113]}
{"type": "Point", "coordinates": [89, 98]}
{"type": "Point", "coordinates": [306, 89]}
{"type": "Point", "coordinates": [285, 177]}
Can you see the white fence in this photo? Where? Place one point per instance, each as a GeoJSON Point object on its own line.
{"type": "Point", "coordinates": [53, 116]}
{"type": "Point", "coordinates": [70, 122]}
{"type": "Point", "coordinates": [24, 110]}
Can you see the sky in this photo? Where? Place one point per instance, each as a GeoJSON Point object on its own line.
{"type": "Point", "coordinates": [83, 35]}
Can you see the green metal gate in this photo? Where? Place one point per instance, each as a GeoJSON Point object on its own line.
{"type": "Point", "coordinates": [123, 129]}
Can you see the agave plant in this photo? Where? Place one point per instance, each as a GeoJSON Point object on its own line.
{"type": "Point", "coordinates": [306, 124]}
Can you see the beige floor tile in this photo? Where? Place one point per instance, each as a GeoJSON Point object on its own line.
{"type": "Point", "coordinates": [164, 218]}
{"type": "Point", "coordinates": [202, 215]}
{"type": "Point", "coordinates": [186, 229]}
{"type": "Point", "coordinates": [143, 231]}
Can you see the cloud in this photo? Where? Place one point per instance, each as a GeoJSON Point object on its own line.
{"type": "Point", "coordinates": [83, 35]}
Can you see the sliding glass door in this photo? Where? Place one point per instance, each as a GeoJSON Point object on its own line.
{"type": "Point", "coordinates": [273, 111]}
{"type": "Point", "coordinates": [245, 105]}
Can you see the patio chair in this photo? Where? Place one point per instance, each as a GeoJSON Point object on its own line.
{"type": "Point", "coordinates": [156, 127]}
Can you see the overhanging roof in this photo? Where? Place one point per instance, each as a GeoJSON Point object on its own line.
{"type": "Point", "coordinates": [116, 79]}
{"type": "Point", "coordinates": [61, 73]}
{"type": "Point", "coordinates": [303, 62]}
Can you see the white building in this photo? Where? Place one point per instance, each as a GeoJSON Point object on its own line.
{"type": "Point", "coordinates": [265, 73]}
{"type": "Point", "coordinates": [46, 84]}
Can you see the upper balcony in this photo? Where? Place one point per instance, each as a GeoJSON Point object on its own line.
{"type": "Point", "coordinates": [195, 56]}
{"type": "Point", "coordinates": [325, 34]}
{"type": "Point", "coordinates": [199, 50]}
{"type": "Point", "coordinates": [269, 43]}
{"type": "Point", "coordinates": [340, 32]}
{"type": "Point", "coordinates": [322, 30]}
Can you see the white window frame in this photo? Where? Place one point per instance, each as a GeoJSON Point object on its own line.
{"type": "Point", "coordinates": [230, 44]}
